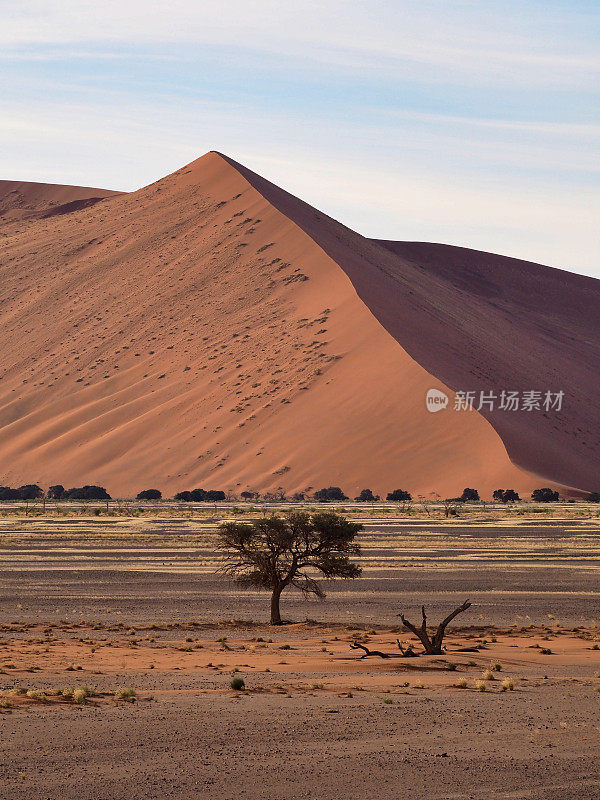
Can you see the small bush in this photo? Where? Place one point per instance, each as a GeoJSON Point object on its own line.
{"type": "Point", "coordinates": [79, 696]}
{"type": "Point", "coordinates": [481, 686]}
{"type": "Point", "coordinates": [367, 496]}
{"type": "Point", "coordinates": [497, 667]}
{"type": "Point", "coordinates": [87, 493]}
{"type": "Point", "coordinates": [399, 496]}
{"type": "Point", "coordinates": [128, 694]}
{"type": "Point", "coordinates": [332, 493]}
{"type": "Point", "coordinates": [149, 494]}
{"type": "Point", "coordinates": [507, 685]}
{"type": "Point", "coordinates": [488, 675]}
{"type": "Point", "coordinates": [34, 694]}
{"type": "Point", "coordinates": [506, 496]}
{"type": "Point", "coordinates": [545, 495]}
{"type": "Point", "coordinates": [237, 684]}
{"type": "Point", "coordinates": [462, 683]}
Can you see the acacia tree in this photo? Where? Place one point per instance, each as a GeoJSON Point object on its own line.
{"type": "Point", "coordinates": [276, 552]}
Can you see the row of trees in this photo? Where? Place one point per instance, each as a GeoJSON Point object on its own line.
{"type": "Point", "coordinates": [330, 494]}
{"type": "Point", "coordinates": [32, 491]}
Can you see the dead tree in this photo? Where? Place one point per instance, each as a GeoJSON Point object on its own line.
{"type": "Point", "coordinates": [433, 644]}
{"type": "Point", "coordinates": [359, 646]}
{"type": "Point", "coordinates": [405, 652]}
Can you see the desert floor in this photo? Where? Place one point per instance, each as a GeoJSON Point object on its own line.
{"type": "Point", "coordinates": [116, 603]}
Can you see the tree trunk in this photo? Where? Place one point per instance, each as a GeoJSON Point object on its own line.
{"type": "Point", "coordinates": [275, 613]}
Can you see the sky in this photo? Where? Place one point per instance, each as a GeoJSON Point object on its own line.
{"type": "Point", "coordinates": [471, 123]}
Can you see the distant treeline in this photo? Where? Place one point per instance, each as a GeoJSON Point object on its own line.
{"type": "Point", "coordinates": [331, 494]}
{"type": "Point", "coordinates": [32, 491]}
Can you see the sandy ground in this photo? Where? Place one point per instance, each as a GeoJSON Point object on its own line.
{"type": "Point", "coordinates": [135, 603]}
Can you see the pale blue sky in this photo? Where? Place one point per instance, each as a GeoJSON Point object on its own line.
{"type": "Point", "coordinates": [472, 123]}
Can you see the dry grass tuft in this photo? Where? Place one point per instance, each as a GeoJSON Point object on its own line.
{"type": "Point", "coordinates": [79, 696]}
{"type": "Point", "coordinates": [128, 694]}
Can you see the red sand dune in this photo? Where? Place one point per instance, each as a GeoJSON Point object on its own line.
{"type": "Point", "coordinates": [211, 330]}
{"type": "Point", "coordinates": [24, 200]}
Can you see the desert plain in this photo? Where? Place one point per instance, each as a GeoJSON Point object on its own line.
{"type": "Point", "coordinates": [130, 609]}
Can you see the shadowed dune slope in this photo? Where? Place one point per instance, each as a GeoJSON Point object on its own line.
{"type": "Point", "coordinates": [190, 334]}
{"type": "Point", "coordinates": [482, 322]}
{"type": "Point", "coordinates": [24, 200]}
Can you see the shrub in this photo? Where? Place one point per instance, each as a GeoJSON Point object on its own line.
{"type": "Point", "coordinates": [481, 686]}
{"type": "Point", "coordinates": [201, 496]}
{"type": "Point", "coordinates": [469, 495]}
{"type": "Point", "coordinates": [128, 694]}
{"type": "Point", "coordinates": [56, 492]}
{"type": "Point", "coordinates": [367, 496]}
{"type": "Point", "coordinates": [399, 496]}
{"type": "Point", "coordinates": [30, 491]}
{"type": "Point", "coordinates": [34, 694]}
{"type": "Point", "coordinates": [149, 494]}
{"type": "Point", "coordinates": [237, 684]}
{"type": "Point", "coordinates": [79, 695]}
{"type": "Point", "coordinates": [593, 497]}
{"type": "Point", "coordinates": [462, 683]}
{"type": "Point", "coordinates": [507, 685]}
{"type": "Point", "coordinates": [545, 495]}
{"type": "Point", "coordinates": [87, 493]}
{"type": "Point", "coordinates": [506, 496]}
{"type": "Point", "coordinates": [331, 494]}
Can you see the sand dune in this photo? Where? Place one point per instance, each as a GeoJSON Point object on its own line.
{"type": "Point", "coordinates": [211, 330]}
{"type": "Point", "coordinates": [24, 200]}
